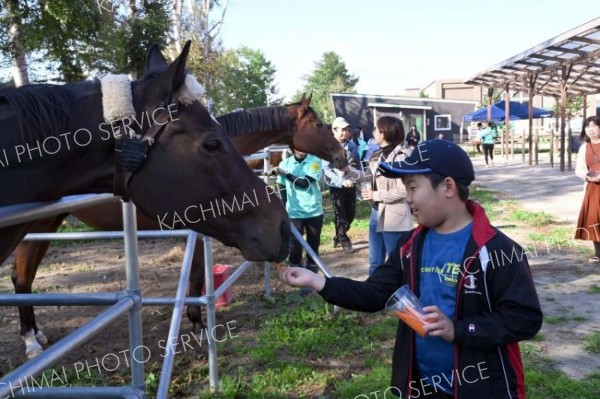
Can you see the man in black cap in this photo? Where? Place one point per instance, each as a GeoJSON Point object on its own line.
{"type": "Point", "coordinates": [475, 282]}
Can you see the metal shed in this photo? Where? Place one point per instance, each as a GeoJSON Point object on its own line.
{"type": "Point", "coordinates": [566, 65]}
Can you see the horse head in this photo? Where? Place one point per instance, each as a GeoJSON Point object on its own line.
{"type": "Point", "coordinates": [192, 176]}
{"type": "Point", "coordinates": [313, 137]}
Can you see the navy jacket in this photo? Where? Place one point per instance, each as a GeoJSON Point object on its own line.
{"type": "Point", "coordinates": [496, 306]}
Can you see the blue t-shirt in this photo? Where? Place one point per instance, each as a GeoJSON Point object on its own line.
{"type": "Point", "coordinates": [440, 271]}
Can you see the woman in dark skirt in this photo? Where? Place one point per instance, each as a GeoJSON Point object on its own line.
{"type": "Point", "coordinates": [588, 168]}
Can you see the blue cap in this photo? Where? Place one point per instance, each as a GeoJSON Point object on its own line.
{"type": "Point", "coordinates": [433, 156]}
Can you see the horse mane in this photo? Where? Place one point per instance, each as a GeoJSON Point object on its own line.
{"type": "Point", "coordinates": [42, 109]}
{"type": "Point", "coordinates": [255, 120]}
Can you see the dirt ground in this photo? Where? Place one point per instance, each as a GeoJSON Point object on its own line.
{"type": "Point", "coordinates": [563, 277]}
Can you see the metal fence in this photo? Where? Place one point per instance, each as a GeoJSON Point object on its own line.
{"type": "Point", "coordinates": [128, 301]}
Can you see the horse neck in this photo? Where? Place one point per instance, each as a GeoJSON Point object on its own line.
{"type": "Point", "coordinates": [40, 166]}
{"type": "Point", "coordinates": [250, 143]}
{"type": "Point", "coordinates": [256, 128]}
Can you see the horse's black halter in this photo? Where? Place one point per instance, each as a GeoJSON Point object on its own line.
{"type": "Point", "coordinates": [131, 150]}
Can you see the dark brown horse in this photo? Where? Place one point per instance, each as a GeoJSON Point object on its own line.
{"type": "Point", "coordinates": [191, 162]}
{"type": "Point", "coordinates": [295, 124]}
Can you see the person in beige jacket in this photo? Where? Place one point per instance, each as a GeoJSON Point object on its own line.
{"type": "Point", "coordinates": [390, 216]}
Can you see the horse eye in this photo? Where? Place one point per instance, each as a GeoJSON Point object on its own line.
{"type": "Point", "coordinates": [319, 124]}
{"type": "Point", "coordinates": [212, 145]}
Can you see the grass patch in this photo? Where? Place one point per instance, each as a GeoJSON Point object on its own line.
{"type": "Point", "coordinates": [531, 218]}
{"type": "Point", "coordinates": [494, 207]}
{"type": "Point", "coordinates": [556, 319]}
{"type": "Point", "coordinates": [538, 337]}
{"type": "Point", "coordinates": [301, 351]}
{"type": "Point", "coordinates": [593, 343]}
{"type": "Point", "coordinates": [376, 380]}
{"type": "Point", "coordinates": [543, 381]}
{"type": "Point", "coordinates": [594, 289]}
{"type": "Point", "coordinates": [580, 319]}
{"type": "Point", "coordinates": [557, 237]}
{"type": "Point", "coordinates": [72, 225]}
{"type": "Point", "coordinates": [287, 353]}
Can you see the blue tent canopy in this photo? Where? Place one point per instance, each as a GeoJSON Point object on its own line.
{"type": "Point", "coordinates": [517, 111]}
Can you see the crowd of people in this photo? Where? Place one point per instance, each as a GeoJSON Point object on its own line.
{"type": "Point", "coordinates": [299, 181]}
{"type": "Point", "coordinates": [475, 311]}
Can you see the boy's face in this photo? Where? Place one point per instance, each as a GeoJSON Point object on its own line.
{"type": "Point", "coordinates": [425, 202]}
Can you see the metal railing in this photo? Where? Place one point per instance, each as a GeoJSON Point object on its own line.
{"type": "Point", "coordinates": [128, 301]}
{"type": "Point", "coordinates": [121, 302]}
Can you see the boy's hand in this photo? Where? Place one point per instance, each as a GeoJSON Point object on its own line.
{"type": "Point", "coordinates": [300, 277]}
{"type": "Point", "coordinates": [439, 324]}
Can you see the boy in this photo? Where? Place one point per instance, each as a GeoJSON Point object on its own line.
{"type": "Point", "coordinates": [477, 307]}
{"type": "Point", "coordinates": [298, 181]}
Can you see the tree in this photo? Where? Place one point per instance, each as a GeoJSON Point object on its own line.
{"type": "Point", "coordinates": [79, 37]}
{"type": "Point", "coordinates": [496, 96]}
{"type": "Point", "coordinates": [16, 45]}
{"type": "Point", "coordinates": [330, 75]}
{"type": "Point", "coordinates": [137, 30]}
{"type": "Point", "coordinates": [243, 78]}
{"type": "Point", "coordinates": [573, 108]}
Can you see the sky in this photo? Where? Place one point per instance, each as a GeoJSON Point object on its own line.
{"type": "Point", "coordinates": [392, 45]}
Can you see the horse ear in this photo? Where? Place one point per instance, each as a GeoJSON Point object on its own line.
{"type": "Point", "coordinates": [174, 76]}
{"type": "Point", "coordinates": [155, 61]}
{"type": "Point", "coordinates": [304, 104]}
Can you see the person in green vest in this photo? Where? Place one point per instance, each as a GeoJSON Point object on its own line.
{"type": "Point", "coordinates": [298, 181]}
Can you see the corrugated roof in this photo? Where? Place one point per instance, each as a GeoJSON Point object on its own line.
{"type": "Point", "coordinates": [577, 50]}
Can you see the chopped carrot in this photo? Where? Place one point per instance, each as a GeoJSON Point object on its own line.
{"type": "Point", "coordinates": [413, 319]}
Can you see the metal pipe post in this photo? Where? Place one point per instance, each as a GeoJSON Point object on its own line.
{"type": "Point", "coordinates": [167, 366]}
{"type": "Point", "coordinates": [232, 279]}
{"type": "Point", "coordinates": [30, 211]}
{"type": "Point", "coordinates": [54, 353]}
{"type": "Point", "coordinates": [82, 392]}
{"type": "Point", "coordinates": [132, 274]}
{"type": "Point", "coordinates": [311, 253]}
{"type": "Point", "coordinates": [210, 314]}
{"type": "Point", "coordinates": [103, 235]}
{"type": "Point", "coordinates": [315, 257]}
{"type": "Point", "coordinates": [54, 299]}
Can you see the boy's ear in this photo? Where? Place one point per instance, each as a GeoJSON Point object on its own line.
{"type": "Point", "coordinates": [450, 188]}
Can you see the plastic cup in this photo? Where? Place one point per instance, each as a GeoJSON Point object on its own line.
{"type": "Point", "coordinates": [407, 307]}
{"type": "Point", "coordinates": [364, 185]}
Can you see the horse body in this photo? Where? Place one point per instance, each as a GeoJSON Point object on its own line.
{"type": "Point", "coordinates": [192, 162]}
{"type": "Point", "coordinates": [37, 153]}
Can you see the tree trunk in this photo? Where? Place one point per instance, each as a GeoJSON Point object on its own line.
{"type": "Point", "coordinates": [176, 23]}
{"type": "Point", "coordinates": [17, 48]}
